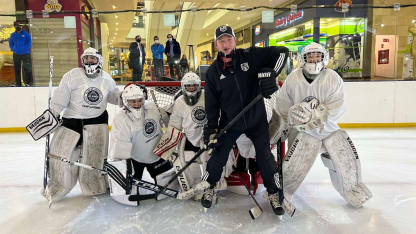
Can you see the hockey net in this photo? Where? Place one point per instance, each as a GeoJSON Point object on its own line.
{"type": "Point", "coordinates": [165, 92]}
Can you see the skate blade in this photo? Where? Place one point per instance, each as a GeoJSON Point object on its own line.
{"type": "Point", "coordinates": [280, 218]}
{"type": "Point", "coordinates": [205, 210]}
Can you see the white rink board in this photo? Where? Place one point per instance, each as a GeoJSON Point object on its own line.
{"type": "Point", "coordinates": [368, 102]}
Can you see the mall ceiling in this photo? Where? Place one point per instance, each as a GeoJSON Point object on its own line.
{"type": "Point", "coordinates": [119, 25]}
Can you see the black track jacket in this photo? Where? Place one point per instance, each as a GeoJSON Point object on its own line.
{"type": "Point", "coordinates": [227, 94]}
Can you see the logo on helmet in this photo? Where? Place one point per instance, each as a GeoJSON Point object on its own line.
{"type": "Point", "coordinates": [149, 128]}
{"type": "Point", "coordinates": [93, 96]}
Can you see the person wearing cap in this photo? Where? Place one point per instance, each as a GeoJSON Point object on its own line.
{"type": "Point", "coordinates": [233, 80]}
{"type": "Point", "coordinates": [20, 42]}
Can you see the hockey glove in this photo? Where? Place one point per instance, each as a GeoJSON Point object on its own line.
{"type": "Point", "coordinates": [268, 82]}
{"type": "Point", "coordinates": [209, 142]}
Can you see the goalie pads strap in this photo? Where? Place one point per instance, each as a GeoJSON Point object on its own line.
{"type": "Point", "coordinates": [168, 142]}
{"type": "Point", "coordinates": [345, 168]}
{"type": "Point", "coordinates": [43, 125]}
{"type": "Point", "coordinates": [278, 129]}
{"type": "Point", "coordinates": [94, 151]}
{"type": "Point", "coordinates": [62, 176]}
{"type": "Point", "coordinates": [299, 160]}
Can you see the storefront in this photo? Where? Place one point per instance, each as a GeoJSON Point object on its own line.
{"type": "Point", "coordinates": [342, 34]}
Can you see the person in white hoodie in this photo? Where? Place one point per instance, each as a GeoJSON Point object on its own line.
{"type": "Point", "coordinates": [311, 100]}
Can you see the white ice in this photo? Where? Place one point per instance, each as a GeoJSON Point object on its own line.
{"type": "Point", "coordinates": [388, 161]}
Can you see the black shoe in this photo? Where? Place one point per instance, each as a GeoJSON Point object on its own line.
{"type": "Point", "coordinates": [273, 198]}
{"type": "Point", "coordinates": [16, 85]}
{"type": "Point", "coordinates": [207, 197]}
{"type": "Point", "coordinates": [27, 85]}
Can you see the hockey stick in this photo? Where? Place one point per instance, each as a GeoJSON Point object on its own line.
{"type": "Point", "coordinates": [255, 211]}
{"type": "Point", "coordinates": [114, 173]}
{"type": "Point", "coordinates": [177, 165]}
{"type": "Point", "coordinates": [46, 166]}
{"type": "Point", "coordinates": [222, 132]}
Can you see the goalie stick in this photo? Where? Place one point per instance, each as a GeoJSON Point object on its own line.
{"type": "Point", "coordinates": [115, 174]}
{"type": "Point", "coordinates": [46, 166]}
{"type": "Point", "coordinates": [177, 165]}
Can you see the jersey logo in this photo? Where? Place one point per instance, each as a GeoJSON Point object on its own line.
{"type": "Point", "coordinates": [244, 67]}
{"type": "Point", "coordinates": [93, 96]}
{"type": "Point", "coordinates": [222, 77]}
{"type": "Point", "coordinates": [313, 101]}
{"type": "Point", "coordinates": [149, 128]}
{"type": "Point", "coordinates": [199, 115]}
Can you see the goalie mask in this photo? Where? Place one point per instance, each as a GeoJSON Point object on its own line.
{"type": "Point", "coordinates": [133, 99]}
{"type": "Point", "coordinates": [313, 59]}
{"type": "Point", "coordinates": [92, 62]}
{"type": "Point", "coordinates": [191, 88]}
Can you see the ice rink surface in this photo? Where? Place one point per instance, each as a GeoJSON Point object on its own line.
{"type": "Point", "coordinates": [388, 158]}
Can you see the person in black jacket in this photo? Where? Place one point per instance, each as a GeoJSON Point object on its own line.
{"type": "Point", "coordinates": [233, 80]}
{"type": "Point", "coordinates": [173, 54]}
{"type": "Point", "coordinates": [137, 58]}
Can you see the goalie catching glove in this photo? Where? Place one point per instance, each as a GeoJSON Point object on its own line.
{"type": "Point", "coordinates": [304, 117]}
{"type": "Point", "coordinates": [267, 77]}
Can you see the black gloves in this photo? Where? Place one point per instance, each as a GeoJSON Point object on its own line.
{"type": "Point", "coordinates": [209, 135]}
{"type": "Point", "coordinates": [268, 81]}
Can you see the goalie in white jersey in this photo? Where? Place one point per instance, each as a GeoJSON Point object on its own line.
{"type": "Point", "coordinates": [82, 95]}
{"type": "Point", "coordinates": [311, 101]}
{"type": "Point", "coordinates": [135, 132]}
{"type": "Point", "coordinates": [188, 114]}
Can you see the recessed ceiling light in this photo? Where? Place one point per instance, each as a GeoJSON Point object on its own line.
{"type": "Point", "coordinates": [116, 16]}
{"type": "Point", "coordinates": [382, 25]}
{"type": "Point", "coordinates": [114, 7]}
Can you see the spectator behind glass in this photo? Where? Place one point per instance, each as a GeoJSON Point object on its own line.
{"type": "Point", "coordinates": [184, 65]}
{"type": "Point", "coordinates": [137, 58]}
{"type": "Point", "coordinates": [20, 43]}
{"type": "Point", "coordinates": [158, 50]}
{"type": "Point", "coordinates": [173, 53]}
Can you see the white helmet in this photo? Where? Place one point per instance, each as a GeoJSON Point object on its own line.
{"type": "Point", "coordinates": [92, 70]}
{"type": "Point", "coordinates": [134, 92]}
{"type": "Point", "coordinates": [191, 97]}
{"type": "Point", "coordinates": [318, 59]}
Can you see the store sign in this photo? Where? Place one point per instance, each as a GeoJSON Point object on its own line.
{"type": "Point", "coordinates": [53, 5]}
{"type": "Point", "coordinates": [258, 30]}
{"type": "Point", "coordinates": [288, 19]}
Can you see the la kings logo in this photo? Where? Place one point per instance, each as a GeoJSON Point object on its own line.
{"type": "Point", "coordinates": [199, 115]}
{"type": "Point", "coordinates": [149, 128]}
{"type": "Point", "coordinates": [93, 96]}
{"type": "Point", "coordinates": [244, 66]}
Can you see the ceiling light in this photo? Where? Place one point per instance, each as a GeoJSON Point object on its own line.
{"type": "Point", "coordinates": [226, 24]}
{"type": "Point", "coordinates": [413, 21]}
{"type": "Point", "coordinates": [114, 7]}
{"type": "Point", "coordinates": [115, 33]}
{"type": "Point", "coordinates": [116, 16]}
{"type": "Point", "coordinates": [207, 34]}
{"type": "Point", "coordinates": [382, 25]}
{"type": "Point", "coordinates": [116, 23]}
{"type": "Point", "coordinates": [329, 19]}
{"type": "Point", "coordinates": [116, 29]}
{"type": "Point", "coordinates": [238, 18]}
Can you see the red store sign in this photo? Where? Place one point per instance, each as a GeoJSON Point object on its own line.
{"type": "Point", "coordinates": [288, 19]}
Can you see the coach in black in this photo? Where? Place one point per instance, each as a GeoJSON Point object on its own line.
{"type": "Point", "coordinates": [232, 82]}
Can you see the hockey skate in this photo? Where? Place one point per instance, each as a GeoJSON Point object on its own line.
{"type": "Point", "coordinates": [274, 202]}
{"type": "Point", "coordinates": [209, 197]}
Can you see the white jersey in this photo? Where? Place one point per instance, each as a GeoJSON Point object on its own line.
{"type": "Point", "coordinates": [327, 88]}
{"type": "Point", "coordinates": [140, 136]}
{"type": "Point", "coordinates": [83, 98]}
{"type": "Point", "coordinates": [191, 118]}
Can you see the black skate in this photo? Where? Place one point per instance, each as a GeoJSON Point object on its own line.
{"type": "Point", "coordinates": [208, 198]}
{"type": "Point", "coordinates": [273, 198]}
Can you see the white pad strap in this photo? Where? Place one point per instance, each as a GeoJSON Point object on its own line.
{"type": "Point", "coordinates": [299, 160]}
{"type": "Point", "coordinates": [346, 164]}
{"type": "Point", "coordinates": [168, 142]}
{"type": "Point", "coordinates": [163, 178]}
{"type": "Point", "coordinates": [94, 151]}
{"type": "Point", "coordinates": [43, 125]}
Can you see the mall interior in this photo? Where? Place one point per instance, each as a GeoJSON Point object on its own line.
{"type": "Point", "coordinates": [368, 41]}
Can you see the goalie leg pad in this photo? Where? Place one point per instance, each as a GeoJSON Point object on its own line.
{"type": "Point", "coordinates": [163, 178]}
{"type": "Point", "coordinates": [63, 176]}
{"type": "Point", "coordinates": [117, 193]}
{"type": "Point", "coordinates": [278, 128]}
{"type": "Point", "coordinates": [345, 168]}
{"type": "Point", "coordinates": [299, 160]}
{"type": "Point", "coordinates": [94, 152]}
{"type": "Point", "coordinates": [192, 175]}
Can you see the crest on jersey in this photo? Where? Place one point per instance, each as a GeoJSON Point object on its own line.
{"type": "Point", "coordinates": [244, 67]}
{"type": "Point", "coordinates": [199, 115]}
{"type": "Point", "coordinates": [313, 101]}
{"type": "Point", "coordinates": [223, 28]}
{"type": "Point", "coordinates": [149, 128]}
{"type": "Point", "coordinates": [93, 96]}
